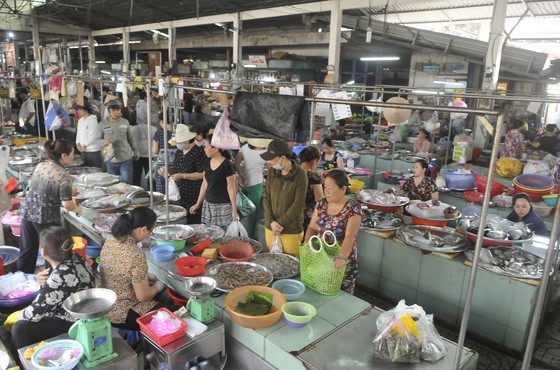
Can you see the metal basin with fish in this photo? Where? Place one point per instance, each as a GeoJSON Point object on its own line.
{"type": "Point", "coordinates": [90, 303]}
{"type": "Point", "coordinates": [432, 239]}
{"type": "Point", "coordinates": [176, 213]}
{"type": "Point", "coordinates": [172, 232]}
{"type": "Point", "coordinates": [203, 231]}
{"type": "Point", "coordinates": [512, 262]}
{"type": "Point", "coordinates": [380, 221]}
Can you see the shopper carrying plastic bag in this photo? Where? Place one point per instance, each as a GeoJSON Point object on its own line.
{"type": "Point", "coordinates": [236, 230]}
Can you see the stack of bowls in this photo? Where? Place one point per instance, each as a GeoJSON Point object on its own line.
{"type": "Point", "coordinates": [534, 185]}
{"type": "Point", "coordinates": [550, 200]}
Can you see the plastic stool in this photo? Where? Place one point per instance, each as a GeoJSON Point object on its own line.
{"type": "Point", "coordinates": [131, 336]}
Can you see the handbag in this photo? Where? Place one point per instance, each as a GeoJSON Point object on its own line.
{"type": "Point", "coordinates": [316, 265]}
{"type": "Point", "coordinates": [223, 137]}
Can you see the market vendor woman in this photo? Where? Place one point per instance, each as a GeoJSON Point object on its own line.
{"type": "Point", "coordinates": [420, 185]}
{"type": "Point", "coordinates": [51, 188]}
{"type": "Point", "coordinates": [523, 212]}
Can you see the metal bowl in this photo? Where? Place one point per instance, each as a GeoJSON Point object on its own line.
{"type": "Point", "coordinates": [200, 286]}
{"type": "Point", "coordinates": [90, 303]}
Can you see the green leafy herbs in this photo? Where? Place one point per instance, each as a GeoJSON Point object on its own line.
{"type": "Point", "coordinates": [256, 304]}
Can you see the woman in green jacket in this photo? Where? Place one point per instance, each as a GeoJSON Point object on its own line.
{"type": "Point", "coordinates": [284, 197]}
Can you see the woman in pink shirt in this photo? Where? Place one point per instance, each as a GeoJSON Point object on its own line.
{"type": "Point", "coordinates": [422, 145]}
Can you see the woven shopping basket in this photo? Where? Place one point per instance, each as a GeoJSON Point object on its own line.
{"type": "Point", "coordinates": [316, 265]}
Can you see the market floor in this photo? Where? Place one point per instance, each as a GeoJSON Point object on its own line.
{"type": "Point", "coordinates": [546, 354]}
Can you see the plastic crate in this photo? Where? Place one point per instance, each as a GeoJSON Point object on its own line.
{"type": "Point", "coordinates": [166, 339]}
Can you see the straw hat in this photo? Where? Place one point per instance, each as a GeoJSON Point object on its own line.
{"type": "Point", "coordinates": [256, 142]}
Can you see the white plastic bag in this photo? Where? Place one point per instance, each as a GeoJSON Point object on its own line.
{"type": "Point", "coordinates": [276, 245]}
{"type": "Point", "coordinates": [236, 230]}
{"type": "Point", "coordinates": [433, 348]}
{"type": "Point", "coordinates": [173, 194]}
{"type": "Point", "coordinates": [415, 311]}
{"type": "Point", "coordinates": [537, 167]}
{"type": "Point", "coordinates": [108, 153]}
{"type": "Point", "coordinates": [223, 137]}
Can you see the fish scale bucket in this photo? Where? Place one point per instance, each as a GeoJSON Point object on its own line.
{"type": "Point", "coordinates": [316, 265]}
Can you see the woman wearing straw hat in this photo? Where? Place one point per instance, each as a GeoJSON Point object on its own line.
{"type": "Point", "coordinates": [250, 166]}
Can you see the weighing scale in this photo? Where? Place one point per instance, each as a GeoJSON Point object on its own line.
{"type": "Point", "coordinates": [93, 330]}
{"type": "Point", "coordinates": [200, 304]}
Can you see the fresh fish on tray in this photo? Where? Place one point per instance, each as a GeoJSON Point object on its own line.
{"type": "Point", "coordinates": [509, 261]}
{"type": "Point", "coordinates": [379, 220]}
{"type": "Point", "coordinates": [497, 228]}
{"type": "Point", "coordinates": [108, 202]}
{"type": "Point", "coordinates": [433, 239]}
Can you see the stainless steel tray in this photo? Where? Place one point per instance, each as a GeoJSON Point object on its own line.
{"type": "Point", "coordinates": [202, 231]}
{"type": "Point", "coordinates": [231, 275]}
{"type": "Point", "coordinates": [168, 232]}
{"type": "Point", "coordinates": [175, 212]}
{"type": "Point", "coordinates": [284, 261]}
{"type": "Point", "coordinates": [90, 303]}
{"type": "Point", "coordinates": [89, 202]}
{"type": "Point", "coordinates": [453, 242]}
{"type": "Point", "coordinates": [384, 221]}
{"type": "Point", "coordinates": [499, 261]}
{"type": "Point", "coordinates": [77, 171]}
{"type": "Point", "coordinates": [97, 179]}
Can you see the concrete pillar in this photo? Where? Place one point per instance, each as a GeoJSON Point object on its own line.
{"type": "Point", "coordinates": [494, 52]}
{"type": "Point", "coordinates": [237, 48]}
{"type": "Point", "coordinates": [91, 55]}
{"type": "Point", "coordinates": [172, 47]}
{"type": "Point", "coordinates": [334, 40]}
{"type": "Point", "coordinates": [126, 49]}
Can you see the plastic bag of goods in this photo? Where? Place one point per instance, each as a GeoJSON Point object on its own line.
{"type": "Point", "coordinates": [415, 311]}
{"type": "Point", "coordinates": [397, 340]}
{"type": "Point", "coordinates": [509, 167]}
{"type": "Point", "coordinates": [537, 167]}
{"type": "Point", "coordinates": [432, 346]}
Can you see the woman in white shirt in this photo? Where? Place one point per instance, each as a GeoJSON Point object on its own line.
{"type": "Point", "coordinates": [250, 166]}
{"type": "Point", "coordinates": [89, 137]}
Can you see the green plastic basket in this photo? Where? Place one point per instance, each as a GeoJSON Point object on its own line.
{"type": "Point", "coordinates": [316, 265]}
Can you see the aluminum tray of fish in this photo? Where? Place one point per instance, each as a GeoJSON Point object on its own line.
{"type": "Point", "coordinates": [97, 179]}
{"type": "Point", "coordinates": [233, 275]}
{"type": "Point", "coordinates": [202, 231]}
{"type": "Point", "coordinates": [380, 221]}
{"type": "Point", "coordinates": [512, 262]}
{"type": "Point", "coordinates": [172, 232]}
{"type": "Point", "coordinates": [497, 229]}
{"type": "Point", "coordinates": [142, 197]}
{"type": "Point", "coordinates": [257, 247]}
{"type": "Point", "coordinates": [281, 265]}
{"type": "Point", "coordinates": [84, 192]}
{"type": "Point", "coordinates": [433, 239]}
{"type": "Point", "coordinates": [175, 212]}
{"type": "Point", "coordinates": [108, 203]}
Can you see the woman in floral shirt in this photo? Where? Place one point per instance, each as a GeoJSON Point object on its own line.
{"type": "Point", "coordinates": [514, 142]}
{"type": "Point", "coordinates": [420, 185]}
{"type": "Point", "coordinates": [124, 269]}
{"type": "Point", "coordinates": [45, 318]}
{"type": "Point", "coordinates": [336, 213]}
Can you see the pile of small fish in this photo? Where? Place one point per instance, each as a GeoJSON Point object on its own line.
{"type": "Point", "coordinates": [432, 238]}
{"type": "Point", "coordinates": [237, 274]}
{"type": "Point", "coordinates": [496, 228]}
{"type": "Point", "coordinates": [510, 262]}
{"type": "Point", "coordinates": [379, 220]}
{"type": "Point", "coordinates": [175, 212]}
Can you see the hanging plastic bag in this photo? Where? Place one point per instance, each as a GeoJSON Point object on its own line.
{"type": "Point", "coordinates": [244, 205]}
{"type": "Point", "coordinates": [56, 116]}
{"type": "Point", "coordinates": [396, 341]}
{"type": "Point", "coordinates": [276, 245]}
{"type": "Point", "coordinates": [223, 137]}
{"type": "Point", "coordinates": [108, 153]}
{"type": "Point", "coordinates": [236, 230]}
{"type": "Point", "coordinates": [174, 194]}
{"type": "Point", "coordinates": [433, 348]}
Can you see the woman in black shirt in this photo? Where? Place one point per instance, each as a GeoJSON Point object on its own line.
{"type": "Point", "coordinates": [218, 192]}
{"type": "Point", "coordinates": [547, 142]}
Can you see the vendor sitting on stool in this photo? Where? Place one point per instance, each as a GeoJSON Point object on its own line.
{"type": "Point", "coordinates": [523, 212]}
{"type": "Point", "coordinates": [125, 270]}
{"type": "Point", "coordinates": [45, 318]}
{"type": "Point", "coordinates": [420, 185]}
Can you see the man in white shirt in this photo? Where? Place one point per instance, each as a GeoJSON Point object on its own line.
{"type": "Point", "coordinates": [141, 108]}
{"type": "Point", "coordinates": [27, 112]}
{"type": "Point", "coordinates": [89, 137]}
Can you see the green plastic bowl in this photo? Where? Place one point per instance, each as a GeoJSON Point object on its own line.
{"type": "Point", "coordinates": [176, 244]}
{"type": "Point", "coordinates": [297, 314]}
